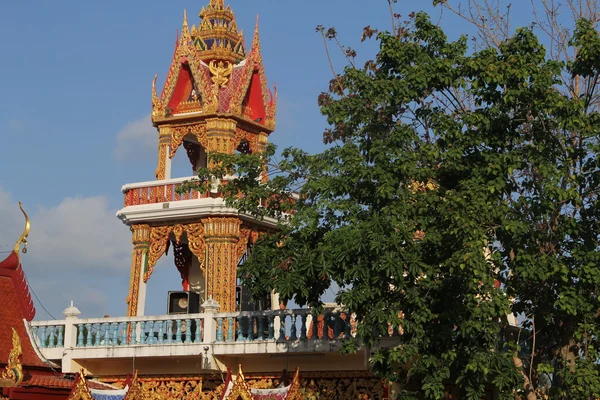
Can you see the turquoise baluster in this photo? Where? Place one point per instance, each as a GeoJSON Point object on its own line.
{"type": "Point", "coordinates": [142, 332]}
{"type": "Point", "coordinates": [302, 326]}
{"type": "Point", "coordinates": [88, 336]}
{"type": "Point", "coordinates": [134, 326]}
{"type": "Point", "coordinates": [151, 338]}
{"type": "Point", "coordinates": [219, 336]}
{"type": "Point", "coordinates": [79, 335]}
{"type": "Point", "coordinates": [178, 333]}
{"type": "Point", "coordinates": [105, 334]}
{"type": "Point", "coordinates": [61, 339]}
{"type": "Point", "coordinates": [50, 333]}
{"type": "Point", "coordinates": [240, 330]}
{"type": "Point", "coordinates": [161, 339]}
{"type": "Point", "coordinates": [230, 329]}
{"type": "Point", "coordinates": [271, 326]}
{"type": "Point", "coordinates": [115, 333]}
{"type": "Point", "coordinates": [96, 334]}
{"type": "Point", "coordinates": [198, 337]}
{"type": "Point", "coordinates": [169, 331]}
{"type": "Point", "coordinates": [188, 331]}
{"type": "Point", "coordinates": [293, 332]}
{"type": "Point", "coordinates": [250, 327]}
{"type": "Point", "coordinates": [261, 329]}
{"type": "Point", "coordinates": [124, 333]}
{"type": "Point", "coordinates": [281, 328]}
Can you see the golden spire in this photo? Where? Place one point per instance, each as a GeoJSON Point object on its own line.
{"type": "Point", "coordinates": [256, 38]}
{"type": "Point", "coordinates": [217, 4]}
{"type": "Point", "coordinates": [217, 37]}
{"type": "Point", "coordinates": [23, 238]}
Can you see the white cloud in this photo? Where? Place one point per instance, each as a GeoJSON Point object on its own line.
{"type": "Point", "coordinates": [80, 231]}
{"type": "Point", "coordinates": [78, 250]}
{"type": "Point", "coordinates": [136, 138]}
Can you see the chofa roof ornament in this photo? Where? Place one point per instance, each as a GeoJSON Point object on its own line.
{"type": "Point", "coordinates": [23, 239]}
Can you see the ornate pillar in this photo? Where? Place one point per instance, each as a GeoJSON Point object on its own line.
{"type": "Point", "coordinates": [163, 170]}
{"type": "Point", "coordinates": [221, 135]}
{"type": "Point", "coordinates": [222, 236]}
{"type": "Point", "coordinates": [137, 286]}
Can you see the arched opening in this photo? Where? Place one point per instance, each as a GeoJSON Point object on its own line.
{"type": "Point", "coordinates": [190, 156]}
{"type": "Point", "coordinates": [178, 270]}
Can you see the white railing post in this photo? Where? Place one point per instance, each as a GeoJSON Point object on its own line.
{"type": "Point", "coordinates": [71, 314]}
{"type": "Point", "coordinates": [211, 307]}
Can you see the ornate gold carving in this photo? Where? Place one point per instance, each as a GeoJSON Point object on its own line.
{"type": "Point", "coordinates": [217, 36]}
{"type": "Point", "coordinates": [170, 388]}
{"type": "Point", "coordinates": [220, 72]}
{"type": "Point", "coordinates": [253, 63]}
{"type": "Point", "coordinates": [159, 236]}
{"type": "Point", "coordinates": [185, 31]}
{"type": "Point", "coordinates": [322, 385]}
{"type": "Point", "coordinates": [178, 133]}
{"type": "Point", "coordinates": [222, 236]}
{"type": "Point", "coordinates": [80, 389]}
{"type": "Point", "coordinates": [272, 110]}
{"type": "Point", "coordinates": [140, 239]}
{"type": "Point", "coordinates": [240, 389]}
{"type": "Point", "coordinates": [12, 375]}
{"type": "Point", "coordinates": [162, 161]}
{"type": "Point", "coordinates": [25, 234]}
{"type": "Point", "coordinates": [156, 104]}
{"type": "Point", "coordinates": [242, 244]}
{"type": "Point", "coordinates": [135, 391]}
{"type": "Point", "coordinates": [190, 106]}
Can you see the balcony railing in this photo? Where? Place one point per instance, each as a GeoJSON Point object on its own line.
{"type": "Point", "coordinates": [162, 191]}
{"type": "Point", "coordinates": [280, 326]}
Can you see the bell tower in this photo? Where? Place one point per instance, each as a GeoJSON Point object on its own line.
{"type": "Point", "coordinates": [215, 99]}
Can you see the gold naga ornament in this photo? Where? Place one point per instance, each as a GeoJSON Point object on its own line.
{"type": "Point", "coordinates": [12, 375]}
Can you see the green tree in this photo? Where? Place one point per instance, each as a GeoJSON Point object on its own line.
{"type": "Point", "coordinates": [457, 188]}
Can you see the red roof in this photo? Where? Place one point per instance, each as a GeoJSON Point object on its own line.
{"type": "Point", "coordinates": [58, 381]}
{"type": "Point", "coordinates": [16, 307]}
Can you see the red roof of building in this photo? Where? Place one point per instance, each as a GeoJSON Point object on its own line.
{"type": "Point", "coordinates": [17, 307]}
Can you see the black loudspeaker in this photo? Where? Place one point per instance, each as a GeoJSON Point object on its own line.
{"type": "Point", "coordinates": [183, 303]}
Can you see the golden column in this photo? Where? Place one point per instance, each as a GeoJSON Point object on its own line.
{"type": "Point", "coordinates": [139, 258]}
{"type": "Point", "coordinates": [220, 133]}
{"type": "Point", "coordinates": [222, 236]}
{"type": "Point", "coordinates": [164, 140]}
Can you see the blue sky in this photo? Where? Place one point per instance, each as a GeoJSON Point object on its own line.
{"type": "Point", "coordinates": [75, 81]}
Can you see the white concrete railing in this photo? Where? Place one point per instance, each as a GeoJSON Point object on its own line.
{"type": "Point", "coordinates": [281, 326]}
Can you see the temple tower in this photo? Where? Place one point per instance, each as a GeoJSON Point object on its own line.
{"type": "Point", "coordinates": [215, 99]}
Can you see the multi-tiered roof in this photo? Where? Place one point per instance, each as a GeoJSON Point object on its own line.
{"type": "Point", "coordinates": [212, 74]}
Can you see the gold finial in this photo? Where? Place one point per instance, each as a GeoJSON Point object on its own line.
{"type": "Point", "coordinates": [23, 238]}
{"type": "Point", "coordinates": [256, 38]}
{"type": "Point", "coordinates": [218, 4]}
{"type": "Point", "coordinates": [12, 376]}
{"type": "Point", "coordinates": [217, 36]}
